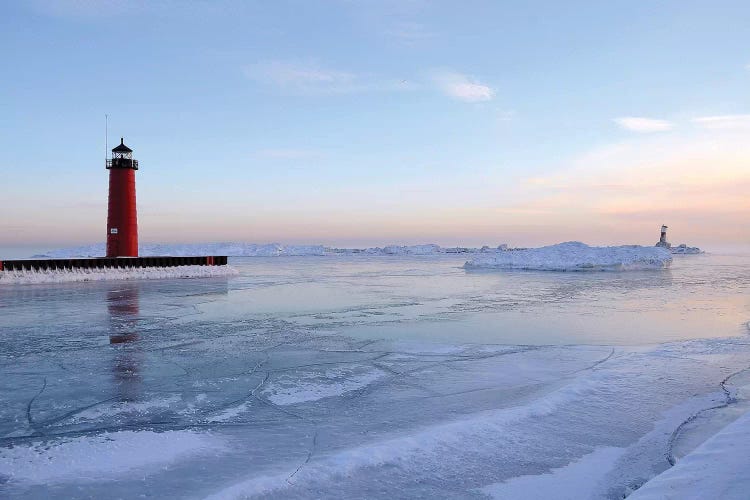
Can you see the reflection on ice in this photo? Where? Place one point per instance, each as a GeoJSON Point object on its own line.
{"type": "Point", "coordinates": [122, 305]}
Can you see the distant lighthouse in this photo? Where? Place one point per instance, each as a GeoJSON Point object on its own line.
{"type": "Point", "coordinates": [122, 217]}
{"type": "Point", "coordinates": [663, 238]}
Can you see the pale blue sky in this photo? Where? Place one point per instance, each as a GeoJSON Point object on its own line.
{"type": "Point", "coordinates": [369, 122]}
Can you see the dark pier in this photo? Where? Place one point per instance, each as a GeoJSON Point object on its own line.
{"type": "Point", "coordinates": [110, 263]}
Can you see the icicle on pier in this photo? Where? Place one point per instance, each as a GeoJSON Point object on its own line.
{"type": "Point", "coordinates": [110, 263]}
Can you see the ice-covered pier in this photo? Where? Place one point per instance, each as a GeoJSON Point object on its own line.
{"type": "Point", "coordinates": [110, 263]}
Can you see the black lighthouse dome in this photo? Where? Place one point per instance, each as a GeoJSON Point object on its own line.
{"type": "Point", "coordinates": [122, 148]}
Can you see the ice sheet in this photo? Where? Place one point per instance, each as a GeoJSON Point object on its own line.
{"type": "Point", "coordinates": [254, 386]}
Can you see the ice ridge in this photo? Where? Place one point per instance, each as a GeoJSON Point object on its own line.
{"type": "Point", "coordinates": [576, 256]}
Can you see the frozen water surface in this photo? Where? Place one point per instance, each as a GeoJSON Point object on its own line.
{"type": "Point", "coordinates": [370, 377]}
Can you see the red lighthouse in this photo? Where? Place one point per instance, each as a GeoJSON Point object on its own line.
{"type": "Point", "coordinates": [122, 232]}
{"type": "Point", "coordinates": [122, 218]}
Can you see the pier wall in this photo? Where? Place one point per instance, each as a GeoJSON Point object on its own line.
{"type": "Point", "coordinates": [111, 262]}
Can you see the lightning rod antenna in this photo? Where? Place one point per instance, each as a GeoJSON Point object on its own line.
{"type": "Point", "coordinates": [106, 136]}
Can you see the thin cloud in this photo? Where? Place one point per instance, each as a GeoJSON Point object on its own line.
{"type": "Point", "coordinates": [723, 122]}
{"type": "Point", "coordinates": [661, 174]}
{"type": "Point", "coordinates": [463, 87]}
{"type": "Point", "coordinates": [538, 181]}
{"type": "Point", "coordinates": [88, 9]}
{"type": "Point", "coordinates": [409, 33]}
{"type": "Point", "coordinates": [288, 154]}
{"type": "Point", "coordinates": [313, 78]}
{"type": "Point", "coordinates": [308, 76]}
{"type": "Point", "coordinates": [643, 125]}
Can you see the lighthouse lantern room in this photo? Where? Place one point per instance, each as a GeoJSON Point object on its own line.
{"type": "Point", "coordinates": [122, 216]}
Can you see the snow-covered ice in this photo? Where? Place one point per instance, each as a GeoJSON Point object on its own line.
{"type": "Point", "coordinates": [105, 456]}
{"type": "Point", "coordinates": [576, 481]}
{"type": "Point", "coordinates": [570, 256]}
{"type": "Point", "coordinates": [240, 249]}
{"type": "Point", "coordinates": [232, 249]}
{"type": "Point", "coordinates": [312, 385]}
{"type": "Point", "coordinates": [683, 249]}
{"type": "Point", "coordinates": [374, 376]}
{"type": "Point", "coordinates": [576, 256]}
{"type": "Point", "coordinates": [718, 468]}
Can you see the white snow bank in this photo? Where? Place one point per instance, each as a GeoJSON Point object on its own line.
{"type": "Point", "coordinates": [683, 249]}
{"type": "Point", "coordinates": [411, 250]}
{"type": "Point", "coordinates": [187, 250]}
{"type": "Point", "coordinates": [90, 458]}
{"type": "Point", "coordinates": [576, 256]}
{"type": "Point", "coordinates": [719, 468]}
{"type": "Point", "coordinates": [576, 481]}
{"type": "Point", "coordinates": [131, 273]}
{"type": "Point", "coordinates": [238, 249]}
{"type": "Point", "coordinates": [485, 253]}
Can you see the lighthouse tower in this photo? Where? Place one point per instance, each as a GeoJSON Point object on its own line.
{"type": "Point", "coordinates": [122, 218]}
{"type": "Point", "coordinates": [663, 238]}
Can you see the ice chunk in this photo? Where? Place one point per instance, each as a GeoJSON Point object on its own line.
{"type": "Point", "coordinates": [309, 385]}
{"type": "Point", "coordinates": [683, 249]}
{"type": "Point", "coordinates": [576, 256]}
{"type": "Point", "coordinates": [412, 250]}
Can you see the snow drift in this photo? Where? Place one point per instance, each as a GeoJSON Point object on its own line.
{"type": "Point", "coordinates": [576, 256]}
{"type": "Point", "coordinates": [716, 469]}
{"type": "Point", "coordinates": [683, 249]}
{"type": "Point", "coordinates": [561, 257]}
{"type": "Point", "coordinates": [26, 277]}
{"type": "Point", "coordinates": [239, 249]}
{"type": "Point", "coordinates": [230, 249]}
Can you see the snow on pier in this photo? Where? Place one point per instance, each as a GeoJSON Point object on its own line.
{"type": "Point", "coordinates": [38, 276]}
